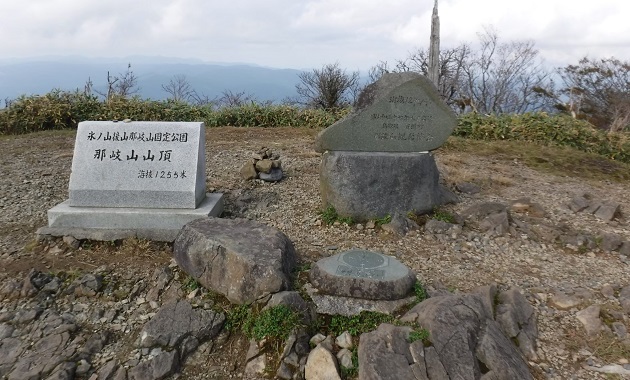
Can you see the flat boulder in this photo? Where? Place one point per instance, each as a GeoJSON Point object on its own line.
{"type": "Point", "coordinates": [242, 259]}
{"type": "Point", "coordinates": [362, 274]}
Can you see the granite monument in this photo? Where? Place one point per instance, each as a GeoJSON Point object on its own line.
{"type": "Point", "coordinates": [143, 179]}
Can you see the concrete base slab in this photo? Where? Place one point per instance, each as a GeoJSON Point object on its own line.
{"type": "Point", "coordinates": [108, 223]}
{"type": "Point", "coordinates": [349, 306]}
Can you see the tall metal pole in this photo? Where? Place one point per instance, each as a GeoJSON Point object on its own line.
{"type": "Point", "coordinates": [434, 47]}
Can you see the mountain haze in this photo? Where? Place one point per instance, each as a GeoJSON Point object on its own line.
{"type": "Point", "coordinates": [211, 79]}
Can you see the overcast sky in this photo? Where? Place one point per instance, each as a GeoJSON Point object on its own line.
{"type": "Point", "coordinates": [305, 34]}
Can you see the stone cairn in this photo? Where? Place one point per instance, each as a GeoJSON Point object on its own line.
{"type": "Point", "coordinates": [264, 165]}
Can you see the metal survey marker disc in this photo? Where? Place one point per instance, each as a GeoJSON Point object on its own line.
{"type": "Point", "coordinates": [363, 259]}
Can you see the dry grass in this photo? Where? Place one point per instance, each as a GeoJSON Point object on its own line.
{"type": "Point", "coordinates": [554, 160]}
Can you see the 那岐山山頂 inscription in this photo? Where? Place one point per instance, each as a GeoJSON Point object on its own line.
{"type": "Point", "coordinates": [117, 155]}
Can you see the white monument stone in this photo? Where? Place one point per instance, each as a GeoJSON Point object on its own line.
{"type": "Point", "coordinates": [142, 179]}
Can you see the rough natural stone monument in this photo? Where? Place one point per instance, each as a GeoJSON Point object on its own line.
{"type": "Point", "coordinates": [142, 179]}
{"type": "Point", "coordinates": [377, 160]}
{"type": "Point", "coordinates": [239, 258]}
{"type": "Point", "coordinates": [401, 112]}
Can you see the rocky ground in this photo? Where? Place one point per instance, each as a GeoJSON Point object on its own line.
{"type": "Point", "coordinates": [95, 298]}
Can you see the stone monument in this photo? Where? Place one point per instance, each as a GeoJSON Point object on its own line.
{"type": "Point", "coordinates": [142, 179]}
{"type": "Point", "coordinates": [378, 161]}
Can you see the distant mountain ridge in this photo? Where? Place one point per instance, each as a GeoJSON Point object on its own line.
{"type": "Point", "coordinates": [40, 76]}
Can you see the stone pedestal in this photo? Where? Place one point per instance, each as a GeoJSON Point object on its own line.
{"type": "Point", "coordinates": [114, 223]}
{"type": "Point", "coordinates": [371, 185]}
{"type": "Point", "coordinates": [357, 280]}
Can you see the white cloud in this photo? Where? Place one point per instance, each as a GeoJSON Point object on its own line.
{"type": "Point", "coordinates": [306, 33]}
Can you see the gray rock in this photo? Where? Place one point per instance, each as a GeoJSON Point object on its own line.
{"type": "Point", "coordinates": [400, 225]}
{"type": "Point", "coordinates": [434, 367]}
{"type": "Point", "coordinates": [176, 321]}
{"type": "Point", "coordinates": [344, 356]}
{"type": "Point", "coordinates": [248, 171]}
{"type": "Point", "coordinates": [6, 330]}
{"type": "Point", "coordinates": [625, 248]}
{"type": "Point", "coordinates": [610, 242]}
{"type": "Point", "coordinates": [88, 285]}
{"type": "Point", "coordinates": [344, 340]}
{"type": "Point", "coordinates": [264, 166]}
{"type": "Point", "coordinates": [241, 259]}
{"type": "Point", "coordinates": [368, 185]}
{"type": "Point", "coordinates": [256, 366]}
{"type": "Point", "coordinates": [284, 372]}
{"type": "Point", "coordinates": [327, 343]}
{"type": "Point", "coordinates": [317, 339]}
{"type": "Point", "coordinates": [274, 175]}
{"type": "Point", "coordinates": [482, 210]}
{"type": "Point", "coordinates": [467, 188]}
{"type": "Point", "coordinates": [620, 330]}
{"type": "Point", "coordinates": [384, 354]}
{"type": "Point", "coordinates": [466, 339]}
{"type": "Point", "coordinates": [579, 203]}
{"type": "Point", "coordinates": [321, 365]}
{"type": "Point", "coordinates": [362, 274]}
{"type": "Point", "coordinates": [562, 301]}
{"type": "Point", "coordinates": [517, 320]}
{"type": "Point", "coordinates": [495, 224]}
{"type": "Point", "coordinates": [107, 371]}
{"type": "Point", "coordinates": [71, 242]}
{"type": "Point", "coordinates": [607, 211]}
{"type": "Point", "coordinates": [500, 357]}
{"type": "Point", "coordinates": [434, 226]}
{"type": "Point", "coordinates": [589, 318]}
{"type": "Point", "coordinates": [159, 367]}
{"type": "Point", "coordinates": [293, 300]}
{"type": "Point", "coordinates": [64, 371]}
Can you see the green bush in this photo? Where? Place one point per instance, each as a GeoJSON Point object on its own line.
{"type": "Point", "coordinates": [276, 322]}
{"type": "Point", "coordinates": [64, 110]}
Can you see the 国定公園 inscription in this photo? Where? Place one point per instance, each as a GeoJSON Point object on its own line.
{"type": "Point", "coordinates": [138, 136]}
